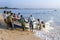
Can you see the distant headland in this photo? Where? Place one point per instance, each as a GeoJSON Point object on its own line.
{"type": "Point", "coordinates": [26, 8]}
{"type": "Point", "coordinates": [8, 8]}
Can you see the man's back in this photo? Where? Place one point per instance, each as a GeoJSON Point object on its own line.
{"type": "Point", "coordinates": [22, 20]}
{"type": "Point", "coordinates": [5, 16]}
{"type": "Point", "coordinates": [9, 19]}
{"type": "Point", "coordinates": [31, 19]}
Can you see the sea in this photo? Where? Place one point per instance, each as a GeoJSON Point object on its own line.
{"type": "Point", "coordinates": [49, 16]}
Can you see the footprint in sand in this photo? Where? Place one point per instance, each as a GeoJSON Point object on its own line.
{"type": "Point", "coordinates": [27, 33]}
{"type": "Point", "coordinates": [1, 38]}
{"type": "Point", "coordinates": [22, 34]}
{"type": "Point", "coordinates": [0, 32]}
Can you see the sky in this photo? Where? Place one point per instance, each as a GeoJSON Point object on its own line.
{"type": "Point", "coordinates": [30, 3]}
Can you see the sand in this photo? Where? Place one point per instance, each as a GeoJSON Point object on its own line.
{"type": "Point", "coordinates": [16, 34]}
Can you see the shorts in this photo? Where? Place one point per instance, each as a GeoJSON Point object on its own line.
{"type": "Point", "coordinates": [31, 25]}
{"type": "Point", "coordinates": [10, 25]}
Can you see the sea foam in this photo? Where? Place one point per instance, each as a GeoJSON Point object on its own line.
{"type": "Point", "coordinates": [44, 33]}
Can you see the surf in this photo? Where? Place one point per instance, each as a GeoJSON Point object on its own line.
{"type": "Point", "coordinates": [45, 31]}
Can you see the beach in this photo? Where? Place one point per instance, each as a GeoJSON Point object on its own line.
{"type": "Point", "coordinates": [30, 20]}
{"type": "Point", "coordinates": [50, 32]}
{"type": "Point", "coordinates": [16, 34]}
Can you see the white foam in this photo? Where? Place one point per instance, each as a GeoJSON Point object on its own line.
{"type": "Point", "coordinates": [48, 26]}
{"type": "Point", "coordinates": [43, 33]}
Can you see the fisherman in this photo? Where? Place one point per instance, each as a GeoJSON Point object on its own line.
{"type": "Point", "coordinates": [31, 20]}
{"type": "Point", "coordinates": [5, 16]}
{"type": "Point", "coordinates": [40, 24]}
{"type": "Point", "coordinates": [22, 21]}
{"type": "Point", "coordinates": [9, 19]}
{"type": "Point", "coordinates": [18, 16]}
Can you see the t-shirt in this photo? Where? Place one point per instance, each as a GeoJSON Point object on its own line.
{"type": "Point", "coordinates": [22, 21]}
{"type": "Point", "coordinates": [31, 19]}
{"type": "Point", "coordinates": [5, 16]}
{"type": "Point", "coordinates": [9, 19]}
{"type": "Point", "coordinates": [18, 17]}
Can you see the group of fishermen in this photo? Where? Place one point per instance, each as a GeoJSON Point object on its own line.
{"type": "Point", "coordinates": [10, 18]}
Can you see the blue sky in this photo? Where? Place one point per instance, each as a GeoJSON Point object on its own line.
{"type": "Point", "coordinates": [31, 3]}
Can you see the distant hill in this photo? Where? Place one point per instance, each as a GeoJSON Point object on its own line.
{"type": "Point", "coordinates": [8, 8]}
{"type": "Point", "coordinates": [27, 8]}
